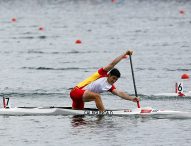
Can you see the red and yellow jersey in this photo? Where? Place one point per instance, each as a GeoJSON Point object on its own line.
{"type": "Point", "coordinates": [95, 76]}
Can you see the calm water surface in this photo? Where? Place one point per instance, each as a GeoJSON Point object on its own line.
{"type": "Point", "coordinates": [37, 67]}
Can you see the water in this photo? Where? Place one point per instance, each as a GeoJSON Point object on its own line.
{"type": "Point", "coordinates": [38, 67]}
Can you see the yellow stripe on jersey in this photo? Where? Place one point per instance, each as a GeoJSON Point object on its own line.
{"type": "Point", "coordinates": [90, 79]}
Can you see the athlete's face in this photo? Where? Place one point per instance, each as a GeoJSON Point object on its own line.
{"type": "Point", "coordinates": [112, 79]}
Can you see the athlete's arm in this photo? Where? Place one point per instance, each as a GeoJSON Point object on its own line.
{"type": "Point", "coordinates": [125, 95]}
{"type": "Point", "coordinates": [116, 60]}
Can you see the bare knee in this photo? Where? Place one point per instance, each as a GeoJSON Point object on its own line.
{"type": "Point", "coordinates": [99, 103]}
{"type": "Point", "coordinates": [97, 97]}
{"type": "Point", "coordinates": [90, 96]}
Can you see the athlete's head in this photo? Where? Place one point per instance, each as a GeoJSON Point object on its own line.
{"type": "Point", "coordinates": [114, 75]}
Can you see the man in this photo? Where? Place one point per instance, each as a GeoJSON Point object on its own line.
{"type": "Point", "coordinates": [90, 89]}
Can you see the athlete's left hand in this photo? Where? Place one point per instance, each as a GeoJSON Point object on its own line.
{"type": "Point", "coordinates": [129, 52]}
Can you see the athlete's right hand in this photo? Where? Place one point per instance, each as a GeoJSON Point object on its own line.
{"type": "Point", "coordinates": [136, 99]}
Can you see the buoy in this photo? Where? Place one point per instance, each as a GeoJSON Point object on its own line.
{"type": "Point", "coordinates": [182, 12]}
{"type": "Point", "coordinates": [185, 76]}
{"type": "Point", "coordinates": [41, 28]}
{"type": "Point", "coordinates": [78, 41]}
{"type": "Point", "coordinates": [13, 19]}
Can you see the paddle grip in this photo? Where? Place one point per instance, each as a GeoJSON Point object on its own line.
{"type": "Point", "coordinates": [138, 104]}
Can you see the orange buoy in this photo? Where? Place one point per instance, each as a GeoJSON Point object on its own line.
{"type": "Point", "coordinates": [185, 76]}
{"type": "Point", "coordinates": [78, 42]}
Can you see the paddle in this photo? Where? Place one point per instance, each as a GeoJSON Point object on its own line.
{"type": "Point", "coordinates": [138, 104]}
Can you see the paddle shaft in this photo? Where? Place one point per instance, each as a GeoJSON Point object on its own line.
{"type": "Point", "coordinates": [138, 104]}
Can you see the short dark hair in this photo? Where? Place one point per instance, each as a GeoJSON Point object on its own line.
{"type": "Point", "coordinates": [115, 72]}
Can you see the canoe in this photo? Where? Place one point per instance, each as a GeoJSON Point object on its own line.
{"type": "Point", "coordinates": [144, 112]}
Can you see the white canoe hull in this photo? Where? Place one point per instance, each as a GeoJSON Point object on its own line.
{"type": "Point", "coordinates": [35, 111]}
